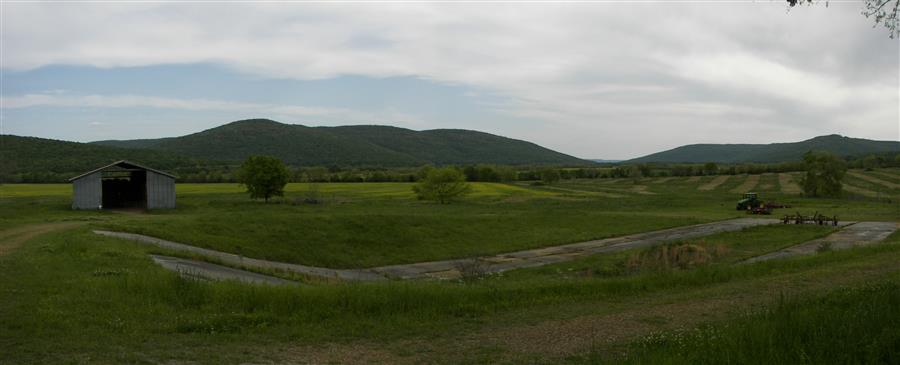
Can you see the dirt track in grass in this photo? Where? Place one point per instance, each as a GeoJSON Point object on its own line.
{"type": "Point", "coordinates": [12, 239]}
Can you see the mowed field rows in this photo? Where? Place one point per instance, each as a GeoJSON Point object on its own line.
{"type": "Point", "coordinates": [788, 183]}
{"type": "Point", "coordinates": [714, 183]}
{"type": "Point", "coordinates": [873, 184]}
{"type": "Point", "coordinates": [749, 184]}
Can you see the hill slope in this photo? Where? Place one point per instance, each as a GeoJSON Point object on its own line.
{"type": "Point", "coordinates": [34, 155]}
{"type": "Point", "coordinates": [774, 152]}
{"type": "Point", "coordinates": [351, 145]}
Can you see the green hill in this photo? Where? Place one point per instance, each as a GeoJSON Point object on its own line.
{"type": "Point", "coordinates": [53, 160]}
{"type": "Point", "coordinates": [351, 146]}
{"type": "Point", "coordinates": [774, 152]}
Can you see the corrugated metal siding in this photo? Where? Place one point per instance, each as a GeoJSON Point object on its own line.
{"type": "Point", "coordinates": [160, 191]}
{"type": "Point", "coordinates": [87, 192]}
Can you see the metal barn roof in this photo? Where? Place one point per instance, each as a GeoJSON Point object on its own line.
{"type": "Point", "coordinates": [127, 164]}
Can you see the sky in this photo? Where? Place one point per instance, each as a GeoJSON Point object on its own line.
{"type": "Point", "coordinates": [606, 79]}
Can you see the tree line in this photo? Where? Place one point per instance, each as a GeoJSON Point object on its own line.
{"type": "Point", "coordinates": [478, 173]}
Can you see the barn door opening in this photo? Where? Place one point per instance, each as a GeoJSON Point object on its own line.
{"type": "Point", "coordinates": [124, 189]}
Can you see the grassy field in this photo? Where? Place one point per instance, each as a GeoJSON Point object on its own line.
{"type": "Point", "coordinates": [365, 225]}
{"type": "Point", "coordinates": [70, 296]}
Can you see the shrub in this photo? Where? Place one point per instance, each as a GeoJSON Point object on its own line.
{"type": "Point", "coordinates": [442, 185]}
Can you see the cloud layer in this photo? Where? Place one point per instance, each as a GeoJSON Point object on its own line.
{"type": "Point", "coordinates": [591, 79]}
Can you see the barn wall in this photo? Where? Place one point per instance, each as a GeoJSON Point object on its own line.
{"type": "Point", "coordinates": [87, 192]}
{"type": "Point", "coordinates": [160, 191]}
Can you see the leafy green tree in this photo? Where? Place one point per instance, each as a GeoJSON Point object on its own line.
{"type": "Point", "coordinates": [442, 185]}
{"type": "Point", "coordinates": [824, 172]}
{"type": "Point", "coordinates": [264, 177]}
{"type": "Point", "coordinates": [710, 168]}
{"type": "Point", "coordinates": [549, 175]}
{"type": "Point", "coordinates": [871, 162]}
{"type": "Point", "coordinates": [423, 171]}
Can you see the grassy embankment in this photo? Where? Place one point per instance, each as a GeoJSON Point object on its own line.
{"type": "Point", "coordinates": [72, 296]}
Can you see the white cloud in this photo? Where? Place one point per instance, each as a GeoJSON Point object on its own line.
{"type": "Point", "coordinates": [289, 112]}
{"type": "Point", "coordinates": [593, 74]}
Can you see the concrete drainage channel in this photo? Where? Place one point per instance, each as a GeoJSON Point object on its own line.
{"type": "Point", "coordinates": [855, 234]}
{"type": "Point", "coordinates": [200, 270]}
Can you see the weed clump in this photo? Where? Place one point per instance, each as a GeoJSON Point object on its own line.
{"type": "Point", "coordinates": [674, 256]}
{"type": "Point", "coordinates": [471, 270]}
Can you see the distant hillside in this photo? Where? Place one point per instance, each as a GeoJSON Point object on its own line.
{"type": "Point", "coordinates": [33, 155]}
{"type": "Point", "coordinates": [774, 152]}
{"type": "Point", "coordinates": [351, 145]}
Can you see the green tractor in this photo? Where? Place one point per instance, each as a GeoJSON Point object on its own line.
{"type": "Point", "coordinates": [750, 201]}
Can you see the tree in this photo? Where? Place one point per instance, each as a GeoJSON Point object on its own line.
{"type": "Point", "coordinates": [264, 177]}
{"type": "Point", "coordinates": [710, 168]}
{"type": "Point", "coordinates": [549, 175]}
{"type": "Point", "coordinates": [824, 172]}
{"type": "Point", "coordinates": [885, 12]}
{"type": "Point", "coordinates": [442, 185]}
{"type": "Point", "coordinates": [871, 161]}
{"type": "Point", "coordinates": [423, 171]}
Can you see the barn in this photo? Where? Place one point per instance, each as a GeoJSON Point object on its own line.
{"type": "Point", "coordinates": [123, 184]}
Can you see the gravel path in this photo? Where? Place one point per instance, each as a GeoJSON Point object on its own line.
{"type": "Point", "coordinates": [854, 234]}
{"type": "Point", "coordinates": [207, 271]}
{"type": "Point", "coordinates": [449, 269]}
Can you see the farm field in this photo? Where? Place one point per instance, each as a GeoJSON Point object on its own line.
{"type": "Point", "coordinates": [71, 296]}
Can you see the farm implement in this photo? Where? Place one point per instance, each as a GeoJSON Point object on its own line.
{"type": "Point", "coordinates": [816, 218]}
{"type": "Point", "coordinates": [753, 205]}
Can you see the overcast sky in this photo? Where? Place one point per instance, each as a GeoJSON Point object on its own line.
{"type": "Point", "coordinates": [607, 80]}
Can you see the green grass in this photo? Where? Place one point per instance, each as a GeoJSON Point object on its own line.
{"type": "Point", "coordinates": [847, 326]}
{"type": "Point", "coordinates": [76, 297]}
{"type": "Point", "coordinates": [365, 225]}
{"type": "Point", "coordinates": [98, 296]}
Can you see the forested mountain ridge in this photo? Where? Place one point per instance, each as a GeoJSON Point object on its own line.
{"type": "Point", "coordinates": [770, 153]}
{"type": "Point", "coordinates": [51, 160]}
{"type": "Point", "coordinates": [364, 145]}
